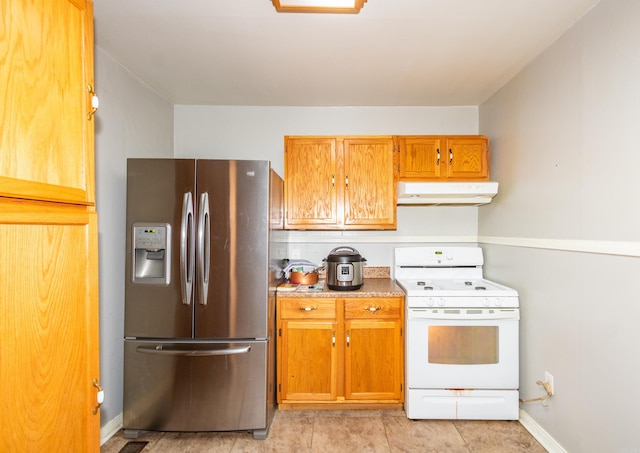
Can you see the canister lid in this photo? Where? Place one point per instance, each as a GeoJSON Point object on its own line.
{"type": "Point", "coordinates": [344, 255]}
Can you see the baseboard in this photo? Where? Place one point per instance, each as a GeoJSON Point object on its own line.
{"type": "Point", "coordinates": [112, 427]}
{"type": "Point", "coordinates": [548, 442]}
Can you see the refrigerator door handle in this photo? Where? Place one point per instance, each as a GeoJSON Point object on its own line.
{"type": "Point", "coordinates": [159, 350]}
{"type": "Point", "coordinates": [204, 248]}
{"type": "Point", "coordinates": [187, 249]}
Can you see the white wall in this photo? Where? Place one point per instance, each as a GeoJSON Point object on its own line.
{"type": "Point", "coordinates": [133, 121]}
{"type": "Point", "coordinates": [237, 132]}
{"type": "Point", "coordinates": [565, 230]}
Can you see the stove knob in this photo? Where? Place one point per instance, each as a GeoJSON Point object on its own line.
{"type": "Point", "coordinates": [441, 302]}
{"type": "Point", "coordinates": [430, 302]}
{"type": "Point", "coordinates": [486, 302]}
{"type": "Point", "coordinates": [498, 302]}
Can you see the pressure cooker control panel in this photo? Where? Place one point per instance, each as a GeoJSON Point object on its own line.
{"type": "Point", "coordinates": [344, 272]}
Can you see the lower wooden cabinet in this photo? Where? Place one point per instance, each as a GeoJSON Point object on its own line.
{"type": "Point", "coordinates": [340, 351]}
{"type": "Point", "coordinates": [373, 349]}
{"type": "Point", "coordinates": [307, 328]}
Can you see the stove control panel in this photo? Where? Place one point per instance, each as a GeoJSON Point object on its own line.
{"type": "Point", "coordinates": [433, 301]}
{"type": "Point", "coordinates": [454, 302]}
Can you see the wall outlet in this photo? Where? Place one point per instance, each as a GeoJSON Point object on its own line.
{"type": "Point", "coordinates": [548, 383]}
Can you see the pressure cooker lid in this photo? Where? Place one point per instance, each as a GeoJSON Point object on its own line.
{"type": "Point", "coordinates": [344, 254]}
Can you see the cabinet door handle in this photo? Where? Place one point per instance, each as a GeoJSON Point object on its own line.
{"type": "Point", "coordinates": [95, 102]}
{"type": "Point", "coordinates": [373, 309]}
{"type": "Point", "coordinates": [99, 396]}
{"type": "Point", "coordinates": [333, 181]}
{"type": "Point", "coordinates": [346, 181]}
{"type": "Point", "coordinates": [348, 338]}
{"type": "Point", "coordinates": [438, 153]}
{"type": "Point", "coordinates": [333, 338]}
{"type": "Point", "coordinates": [450, 156]}
{"type": "Point", "coordinates": [309, 308]}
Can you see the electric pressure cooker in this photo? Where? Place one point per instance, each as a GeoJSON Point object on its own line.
{"type": "Point", "coordinates": [344, 269]}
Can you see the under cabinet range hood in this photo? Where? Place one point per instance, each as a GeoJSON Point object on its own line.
{"type": "Point", "coordinates": [470, 193]}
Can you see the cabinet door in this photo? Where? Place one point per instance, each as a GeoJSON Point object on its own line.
{"type": "Point", "coordinates": [374, 355]}
{"type": "Point", "coordinates": [49, 329]}
{"type": "Point", "coordinates": [311, 190]}
{"type": "Point", "coordinates": [308, 361]}
{"type": "Point", "coordinates": [373, 359]}
{"type": "Point", "coordinates": [45, 134]}
{"type": "Point", "coordinates": [467, 158]}
{"type": "Point", "coordinates": [369, 185]}
{"type": "Point", "coordinates": [420, 158]}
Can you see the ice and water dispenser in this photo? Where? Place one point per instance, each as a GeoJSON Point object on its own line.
{"type": "Point", "coordinates": [151, 253]}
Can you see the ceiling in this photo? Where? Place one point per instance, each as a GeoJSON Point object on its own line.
{"type": "Point", "coordinates": [393, 53]}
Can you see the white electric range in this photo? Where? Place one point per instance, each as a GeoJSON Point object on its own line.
{"type": "Point", "coordinates": [462, 336]}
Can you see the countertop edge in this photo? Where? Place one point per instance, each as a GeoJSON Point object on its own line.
{"type": "Point", "coordinates": [371, 287]}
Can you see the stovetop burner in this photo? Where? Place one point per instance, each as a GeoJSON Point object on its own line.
{"type": "Point", "coordinates": [450, 285]}
{"type": "Point", "coordinates": [448, 277]}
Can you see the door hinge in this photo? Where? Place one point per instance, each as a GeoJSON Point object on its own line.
{"type": "Point", "coordinates": [279, 387]}
{"type": "Point", "coordinates": [279, 332]}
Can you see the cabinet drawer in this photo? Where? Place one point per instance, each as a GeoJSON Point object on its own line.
{"type": "Point", "coordinates": [307, 308]}
{"type": "Point", "coordinates": [372, 307]}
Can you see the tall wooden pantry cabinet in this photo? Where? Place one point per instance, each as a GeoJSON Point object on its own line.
{"type": "Point", "coordinates": [49, 375]}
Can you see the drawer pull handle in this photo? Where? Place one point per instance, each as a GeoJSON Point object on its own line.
{"type": "Point", "coordinates": [314, 307]}
{"type": "Point", "coordinates": [373, 309]}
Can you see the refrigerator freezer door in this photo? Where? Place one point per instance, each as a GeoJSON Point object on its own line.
{"type": "Point", "coordinates": [160, 191]}
{"type": "Point", "coordinates": [195, 386]}
{"type": "Point", "coordinates": [233, 203]}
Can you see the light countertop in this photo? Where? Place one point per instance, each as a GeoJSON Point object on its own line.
{"type": "Point", "coordinates": [376, 283]}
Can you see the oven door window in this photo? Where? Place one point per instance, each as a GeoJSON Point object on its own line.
{"type": "Point", "coordinates": [463, 345]}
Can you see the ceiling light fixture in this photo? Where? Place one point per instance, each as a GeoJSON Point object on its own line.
{"type": "Point", "coordinates": [318, 6]}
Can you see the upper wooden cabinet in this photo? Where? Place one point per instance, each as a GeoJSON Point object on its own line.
{"type": "Point", "coordinates": [340, 183]}
{"type": "Point", "coordinates": [46, 79]}
{"type": "Point", "coordinates": [49, 370]}
{"type": "Point", "coordinates": [450, 158]}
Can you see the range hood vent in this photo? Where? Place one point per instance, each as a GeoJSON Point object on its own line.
{"type": "Point", "coordinates": [446, 193]}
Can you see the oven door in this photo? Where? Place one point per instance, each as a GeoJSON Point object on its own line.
{"type": "Point", "coordinates": [463, 348]}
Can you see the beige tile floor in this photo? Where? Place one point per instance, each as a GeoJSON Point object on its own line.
{"type": "Point", "coordinates": [349, 432]}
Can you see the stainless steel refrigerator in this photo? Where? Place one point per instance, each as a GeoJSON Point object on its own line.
{"type": "Point", "coordinates": [199, 344]}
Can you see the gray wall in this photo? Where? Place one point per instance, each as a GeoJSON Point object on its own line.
{"type": "Point", "coordinates": [133, 121]}
{"type": "Point", "coordinates": [565, 230]}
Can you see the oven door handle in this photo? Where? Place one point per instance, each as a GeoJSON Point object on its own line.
{"type": "Point", "coordinates": [461, 314]}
